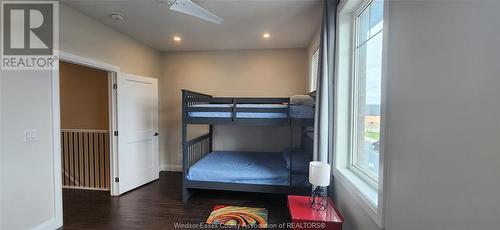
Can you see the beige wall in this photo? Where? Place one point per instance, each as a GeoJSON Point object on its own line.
{"type": "Point", "coordinates": [232, 73]}
{"type": "Point", "coordinates": [261, 73]}
{"type": "Point", "coordinates": [84, 97]}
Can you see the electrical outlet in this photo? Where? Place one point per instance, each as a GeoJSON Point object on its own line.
{"type": "Point", "coordinates": [30, 135]}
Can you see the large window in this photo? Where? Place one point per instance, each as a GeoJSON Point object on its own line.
{"type": "Point", "coordinates": [366, 91]}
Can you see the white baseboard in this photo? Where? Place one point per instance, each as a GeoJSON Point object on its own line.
{"type": "Point", "coordinates": [48, 225]}
{"type": "Point", "coordinates": [171, 168]}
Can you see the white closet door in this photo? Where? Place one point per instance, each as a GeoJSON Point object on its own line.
{"type": "Point", "coordinates": [138, 146]}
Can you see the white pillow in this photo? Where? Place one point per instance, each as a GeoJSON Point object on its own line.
{"type": "Point", "coordinates": [302, 100]}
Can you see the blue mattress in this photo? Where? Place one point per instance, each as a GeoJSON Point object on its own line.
{"type": "Point", "coordinates": [264, 168]}
{"type": "Point", "coordinates": [296, 111]}
{"type": "Point", "coordinates": [299, 162]}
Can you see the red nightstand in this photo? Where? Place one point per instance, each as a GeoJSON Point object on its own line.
{"type": "Point", "coordinates": [304, 217]}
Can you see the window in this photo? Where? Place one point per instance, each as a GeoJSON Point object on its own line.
{"type": "Point", "coordinates": [357, 115]}
{"type": "Point", "coordinates": [314, 70]}
{"type": "Point", "coordinates": [366, 91]}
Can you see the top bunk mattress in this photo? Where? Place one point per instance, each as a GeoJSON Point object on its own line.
{"type": "Point", "coordinates": [296, 111]}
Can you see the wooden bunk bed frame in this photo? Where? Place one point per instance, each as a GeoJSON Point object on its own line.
{"type": "Point", "coordinates": [195, 149]}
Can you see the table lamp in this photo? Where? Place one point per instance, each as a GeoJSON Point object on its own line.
{"type": "Point", "coordinates": [319, 176]}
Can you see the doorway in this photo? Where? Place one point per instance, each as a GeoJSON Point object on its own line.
{"type": "Point", "coordinates": [132, 108]}
{"type": "Point", "coordinates": [85, 127]}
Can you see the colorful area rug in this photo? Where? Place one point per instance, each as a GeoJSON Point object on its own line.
{"type": "Point", "coordinates": [238, 216]}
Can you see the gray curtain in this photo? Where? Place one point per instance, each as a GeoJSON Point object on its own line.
{"type": "Point", "coordinates": [323, 123]}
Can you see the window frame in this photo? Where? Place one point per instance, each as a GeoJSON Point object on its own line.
{"type": "Point", "coordinates": [313, 77]}
{"type": "Point", "coordinates": [371, 199]}
{"type": "Point", "coordinates": [353, 100]}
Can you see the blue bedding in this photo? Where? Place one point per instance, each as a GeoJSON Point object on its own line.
{"type": "Point", "coordinates": [296, 111]}
{"type": "Point", "coordinates": [264, 168]}
{"type": "Point", "coordinates": [299, 162]}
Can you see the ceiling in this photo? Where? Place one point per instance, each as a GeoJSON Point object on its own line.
{"type": "Point", "coordinates": [291, 23]}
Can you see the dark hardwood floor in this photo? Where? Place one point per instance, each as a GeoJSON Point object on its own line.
{"type": "Point", "coordinates": [158, 205]}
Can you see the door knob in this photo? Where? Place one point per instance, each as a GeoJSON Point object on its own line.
{"type": "Point", "coordinates": [156, 134]}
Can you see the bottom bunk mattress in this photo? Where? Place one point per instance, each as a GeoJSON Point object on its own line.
{"type": "Point", "coordinates": [263, 168]}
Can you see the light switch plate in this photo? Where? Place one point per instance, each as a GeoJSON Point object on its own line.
{"type": "Point", "coordinates": [30, 135]}
{"type": "Point", "coordinates": [27, 135]}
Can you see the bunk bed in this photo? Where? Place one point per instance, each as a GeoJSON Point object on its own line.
{"type": "Point", "coordinates": [268, 172]}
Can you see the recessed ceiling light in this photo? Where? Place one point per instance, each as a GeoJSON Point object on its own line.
{"type": "Point", "coordinates": [117, 16]}
{"type": "Point", "coordinates": [266, 35]}
{"type": "Point", "coordinates": [177, 38]}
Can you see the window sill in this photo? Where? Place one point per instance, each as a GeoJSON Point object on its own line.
{"type": "Point", "coordinates": [362, 192]}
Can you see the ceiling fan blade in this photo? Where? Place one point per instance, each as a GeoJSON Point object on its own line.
{"type": "Point", "coordinates": [188, 7]}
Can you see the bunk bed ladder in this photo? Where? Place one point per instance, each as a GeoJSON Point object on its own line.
{"type": "Point", "coordinates": [194, 149]}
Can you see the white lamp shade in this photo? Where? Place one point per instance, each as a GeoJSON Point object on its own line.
{"type": "Point", "coordinates": [319, 173]}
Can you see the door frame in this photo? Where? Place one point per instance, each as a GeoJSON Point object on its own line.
{"type": "Point", "coordinates": [114, 72]}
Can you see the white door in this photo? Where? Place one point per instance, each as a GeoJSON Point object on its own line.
{"type": "Point", "coordinates": [137, 105]}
